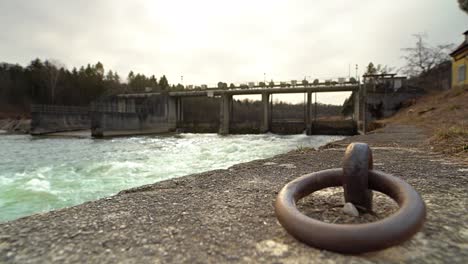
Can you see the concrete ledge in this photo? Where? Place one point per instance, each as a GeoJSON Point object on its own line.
{"type": "Point", "coordinates": [48, 119]}
{"type": "Point", "coordinates": [227, 215]}
{"type": "Point", "coordinates": [146, 131]}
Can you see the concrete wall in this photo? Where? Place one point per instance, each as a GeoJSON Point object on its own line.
{"type": "Point", "coordinates": [246, 128]}
{"type": "Point", "coordinates": [319, 127]}
{"type": "Point", "coordinates": [335, 127]}
{"type": "Point", "coordinates": [381, 105]}
{"type": "Point", "coordinates": [281, 127]}
{"type": "Point", "coordinates": [198, 127]}
{"type": "Point", "coordinates": [287, 127]}
{"type": "Point", "coordinates": [133, 116]}
{"type": "Point", "coordinates": [47, 119]}
{"type": "Point", "coordinates": [213, 127]}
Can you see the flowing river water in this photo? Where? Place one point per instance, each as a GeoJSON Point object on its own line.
{"type": "Point", "coordinates": [42, 174]}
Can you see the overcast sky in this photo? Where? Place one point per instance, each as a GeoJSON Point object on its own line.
{"type": "Point", "coordinates": [207, 41]}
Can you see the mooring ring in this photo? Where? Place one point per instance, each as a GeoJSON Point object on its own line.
{"type": "Point", "coordinates": [357, 162]}
{"type": "Point", "coordinates": [351, 238]}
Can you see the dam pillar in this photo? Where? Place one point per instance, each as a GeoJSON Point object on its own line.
{"type": "Point", "coordinates": [357, 110]}
{"type": "Point", "coordinates": [225, 114]}
{"type": "Point", "coordinates": [364, 109]}
{"type": "Point", "coordinates": [265, 126]}
{"type": "Point", "coordinates": [360, 109]}
{"type": "Point", "coordinates": [308, 121]}
{"type": "Point", "coordinates": [180, 109]}
{"type": "Point", "coordinates": [171, 110]}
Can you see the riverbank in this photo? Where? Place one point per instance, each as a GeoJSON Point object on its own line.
{"type": "Point", "coordinates": [444, 117]}
{"type": "Point", "coordinates": [228, 216]}
{"type": "Point", "coordinates": [15, 125]}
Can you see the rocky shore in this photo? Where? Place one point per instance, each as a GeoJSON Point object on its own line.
{"type": "Point", "coordinates": [227, 215]}
{"type": "Point", "coordinates": [15, 125]}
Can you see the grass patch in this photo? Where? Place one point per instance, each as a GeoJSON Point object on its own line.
{"type": "Point", "coordinates": [458, 90]}
{"type": "Point", "coordinates": [451, 140]}
{"type": "Point", "coordinates": [375, 125]}
{"type": "Point", "coordinates": [303, 149]}
{"type": "Point", "coordinates": [454, 107]}
{"type": "Point", "coordinates": [452, 132]}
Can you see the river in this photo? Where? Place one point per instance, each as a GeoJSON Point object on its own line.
{"type": "Point", "coordinates": [42, 174]}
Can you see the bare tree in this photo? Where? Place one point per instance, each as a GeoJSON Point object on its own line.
{"type": "Point", "coordinates": [52, 75]}
{"type": "Point", "coordinates": [380, 69]}
{"type": "Point", "coordinates": [422, 58]}
{"type": "Point", "coordinates": [463, 5]}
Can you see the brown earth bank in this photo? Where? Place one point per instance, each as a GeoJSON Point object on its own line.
{"type": "Point", "coordinates": [228, 216]}
{"type": "Point", "coordinates": [443, 116]}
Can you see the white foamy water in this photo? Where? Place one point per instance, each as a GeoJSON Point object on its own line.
{"type": "Point", "coordinates": [41, 174]}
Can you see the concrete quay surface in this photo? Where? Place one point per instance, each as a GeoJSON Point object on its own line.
{"type": "Point", "coordinates": [228, 216]}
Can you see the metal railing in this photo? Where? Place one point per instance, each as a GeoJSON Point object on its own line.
{"type": "Point", "coordinates": [59, 109]}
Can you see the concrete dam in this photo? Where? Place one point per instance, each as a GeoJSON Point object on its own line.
{"type": "Point", "coordinates": [163, 112]}
{"type": "Point", "coordinates": [149, 113]}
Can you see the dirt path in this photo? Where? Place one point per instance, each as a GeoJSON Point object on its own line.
{"type": "Point", "coordinates": [227, 215]}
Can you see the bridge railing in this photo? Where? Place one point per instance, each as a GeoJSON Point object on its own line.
{"type": "Point", "coordinates": [275, 85]}
{"type": "Point", "coordinates": [59, 109]}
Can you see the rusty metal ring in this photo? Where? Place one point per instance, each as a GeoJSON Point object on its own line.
{"type": "Point", "coordinates": [356, 165]}
{"type": "Point", "coordinates": [349, 238]}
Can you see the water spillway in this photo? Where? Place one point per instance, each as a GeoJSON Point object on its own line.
{"type": "Point", "coordinates": [42, 174]}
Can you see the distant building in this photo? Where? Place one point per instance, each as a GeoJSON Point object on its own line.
{"type": "Point", "coordinates": [460, 63]}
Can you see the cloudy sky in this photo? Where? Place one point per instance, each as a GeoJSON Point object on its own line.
{"type": "Point", "coordinates": [207, 41]}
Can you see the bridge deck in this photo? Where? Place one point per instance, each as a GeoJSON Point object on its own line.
{"type": "Point", "coordinates": [336, 88]}
{"type": "Point", "coordinates": [273, 90]}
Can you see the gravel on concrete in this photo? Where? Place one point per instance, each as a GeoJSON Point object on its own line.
{"type": "Point", "coordinates": [228, 216]}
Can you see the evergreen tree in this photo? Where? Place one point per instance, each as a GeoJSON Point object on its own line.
{"type": "Point", "coordinates": [99, 69]}
{"type": "Point", "coordinates": [463, 5]}
{"type": "Point", "coordinates": [163, 83]}
{"type": "Point", "coordinates": [179, 87]}
{"type": "Point", "coordinates": [271, 84]}
{"type": "Point", "coordinates": [110, 76]}
{"type": "Point", "coordinates": [130, 77]}
{"type": "Point", "coordinates": [153, 82]}
{"type": "Point", "coordinates": [116, 77]}
{"type": "Point", "coordinates": [371, 69]}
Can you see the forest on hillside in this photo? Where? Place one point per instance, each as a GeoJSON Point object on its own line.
{"type": "Point", "coordinates": [48, 82]}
